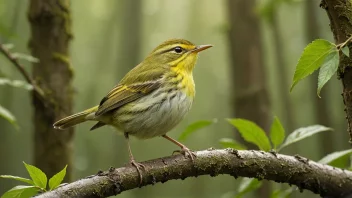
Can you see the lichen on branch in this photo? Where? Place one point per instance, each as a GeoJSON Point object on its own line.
{"type": "Point", "coordinates": [295, 170]}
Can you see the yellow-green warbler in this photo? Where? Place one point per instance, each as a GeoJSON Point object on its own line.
{"type": "Point", "coordinates": [151, 99]}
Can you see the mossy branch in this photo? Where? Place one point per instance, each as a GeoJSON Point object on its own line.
{"type": "Point", "coordinates": [294, 170]}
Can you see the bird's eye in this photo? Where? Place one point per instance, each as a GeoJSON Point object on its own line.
{"type": "Point", "coordinates": [178, 49]}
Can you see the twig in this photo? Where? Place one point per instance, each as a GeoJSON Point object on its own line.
{"type": "Point", "coordinates": [24, 73]}
{"type": "Point", "coordinates": [342, 45]}
{"type": "Point", "coordinates": [294, 170]}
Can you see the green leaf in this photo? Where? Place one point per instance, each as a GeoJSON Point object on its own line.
{"type": "Point", "coordinates": [16, 83]}
{"type": "Point", "coordinates": [231, 143]}
{"type": "Point", "coordinates": [7, 115]}
{"type": "Point", "coordinates": [251, 132]}
{"type": "Point", "coordinates": [311, 59]}
{"type": "Point", "coordinates": [56, 180]}
{"type": "Point", "coordinates": [282, 193]}
{"type": "Point", "coordinates": [28, 181]}
{"type": "Point", "coordinates": [194, 127]}
{"type": "Point", "coordinates": [346, 51]}
{"type": "Point", "coordinates": [39, 178]}
{"type": "Point", "coordinates": [277, 132]}
{"type": "Point", "coordinates": [26, 57]}
{"type": "Point", "coordinates": [21, 192]}
{"type": "Point", "coordinates": [248, 185]}
{"type": "Point", "coordinates": [337, 159]}
{"type": "Point", "coordinates": [302, 133]}
{"type": "Point", "coordinates": [328, 69]}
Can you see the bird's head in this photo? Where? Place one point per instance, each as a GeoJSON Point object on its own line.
{"type": "Point", "coordinates": [179, 54]}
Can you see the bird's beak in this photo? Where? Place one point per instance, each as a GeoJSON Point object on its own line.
{"type": "Point", "coordinates": [201, 48]}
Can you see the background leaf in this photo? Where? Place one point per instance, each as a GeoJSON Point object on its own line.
{"type": "Point", "coordinates": [194, 127]}
{"type": "Point", "coordinates": [277, 132]}
{"type": "Point", "coordinates": [248, 185]}
{"type": "Point", "coordinates": [39, 178]}
{"type": "Point", "coordinates": [328, 69]}
{"type": "Point", "coordinates": [57, 179]}
{"type": "Point", "coordinates": [311, 59]}
{"type": "Point", "coordinates": [281, 193]}
{"type": "Point", "coordinates": [21, 192]}
{"type": "Point", "coordinates": [337, 159]}
{"type": "Point", "coordinates": [28, 181]}
{"type": "Point", "coordinates": [345, 50]}
{"type": "Point", "coordinates": [231, 143]}
{"type": "Point", "coordinates": [26, 57]}
{"type": "Point", "coordinates": [16, 83]}
{"type": "Point", "coordinates": [251, 132]}
{"type": "Point", "coordinates": [301, 133]}
{"type": "Point", "coordinates": [7, 115]}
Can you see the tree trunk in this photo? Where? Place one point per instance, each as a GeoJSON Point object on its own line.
{"type": "Point", "coordinates": [322, 114]}
{"type": "Point", "coordinates": [50, 22]}
{"type": "Point", "coordinates": [249, 80]}
{"type": "Point", "coordinates": [130, 39]}
{"type": "Point", "coordinates": [340, 15]}
{"type": "Point", "coordinates": [281, 66]}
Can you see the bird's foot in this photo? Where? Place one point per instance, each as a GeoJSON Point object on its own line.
{"type": "Point", "coordinates": [186, 152]}
{"type": "Point", "coordinates": [138, 166]}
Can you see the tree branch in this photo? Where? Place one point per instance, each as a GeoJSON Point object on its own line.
{"type": "Point", "coordinates": [20, 68]}
{"type": "Point", "coordinates": [294, 170]}
{"type": "Point", "coordinates": [48, 101]}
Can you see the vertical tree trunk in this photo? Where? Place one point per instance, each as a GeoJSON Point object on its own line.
{"type": "Point", "coordinates": [249, 80]}
{"type": "Point", "coordinates": [281, 66]}
{"type": "Point", "coordinates": [340, 15]}
{"type": "Point", "coordinates": [322, 114]}
{"type": "Point", "coordinates": [130, 39]}
{"type": "Point", "coordinates": [50, 22]}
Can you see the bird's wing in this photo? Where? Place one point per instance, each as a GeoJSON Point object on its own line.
{"type": "Point", "coordinates": [123, 94]}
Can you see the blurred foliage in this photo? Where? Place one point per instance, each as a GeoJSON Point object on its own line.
{"type": "Point", "coordinates": [194, 127]}
{"type": "Point", "coordinates": [7, 115]}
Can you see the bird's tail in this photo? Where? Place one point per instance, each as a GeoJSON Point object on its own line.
{"type": "Point", "coordinates": [74, 119]}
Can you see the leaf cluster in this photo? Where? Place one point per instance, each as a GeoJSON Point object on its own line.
{"type": "Point", "coordinates": [37, 184]}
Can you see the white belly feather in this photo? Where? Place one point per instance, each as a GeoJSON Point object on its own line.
{"type": "Point", "coordinates": [165, 112]}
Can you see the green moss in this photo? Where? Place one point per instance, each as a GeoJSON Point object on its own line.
{"type": "Point", "coordinates": [64, 59]}
{"type": "Point", "coordinates": [64, 12]}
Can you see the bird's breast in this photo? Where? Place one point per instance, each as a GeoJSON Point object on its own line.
{"type": "Point", "coordinates": [184, 82]}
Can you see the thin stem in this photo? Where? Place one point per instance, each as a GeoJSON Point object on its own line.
{"type": "Point", "coordinates": [341, 45]}
{"type": "Point", "coordinates": [25, 74]}
{"type": "Point", "coordinates": [13, 60]}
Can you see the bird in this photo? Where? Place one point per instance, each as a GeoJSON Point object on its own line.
{"type": "Point", "coordinates": [151, 99]}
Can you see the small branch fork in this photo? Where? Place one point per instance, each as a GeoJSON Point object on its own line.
{"type": "Point", "coordinates": [20, 68]}
{"type": "Point", "coordinates": [321, 179]}
{"type": "Point", "coordinates": [342, 45]}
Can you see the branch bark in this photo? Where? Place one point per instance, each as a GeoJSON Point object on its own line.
{"type": "Point", "coordinates": [294, 170]}
{"type": "Point", "coordinates": [340, 15]}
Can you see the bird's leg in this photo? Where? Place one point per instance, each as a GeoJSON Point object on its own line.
{"type": "Point", "coordinates": [184, 150]}
{"type": "Point", "coordinates": [132, 161]}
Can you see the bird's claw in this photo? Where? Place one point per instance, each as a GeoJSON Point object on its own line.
{"type": "Point", "coordinates": [186, 152]}
{"type": "Point", "coordinates": [138, 167]}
